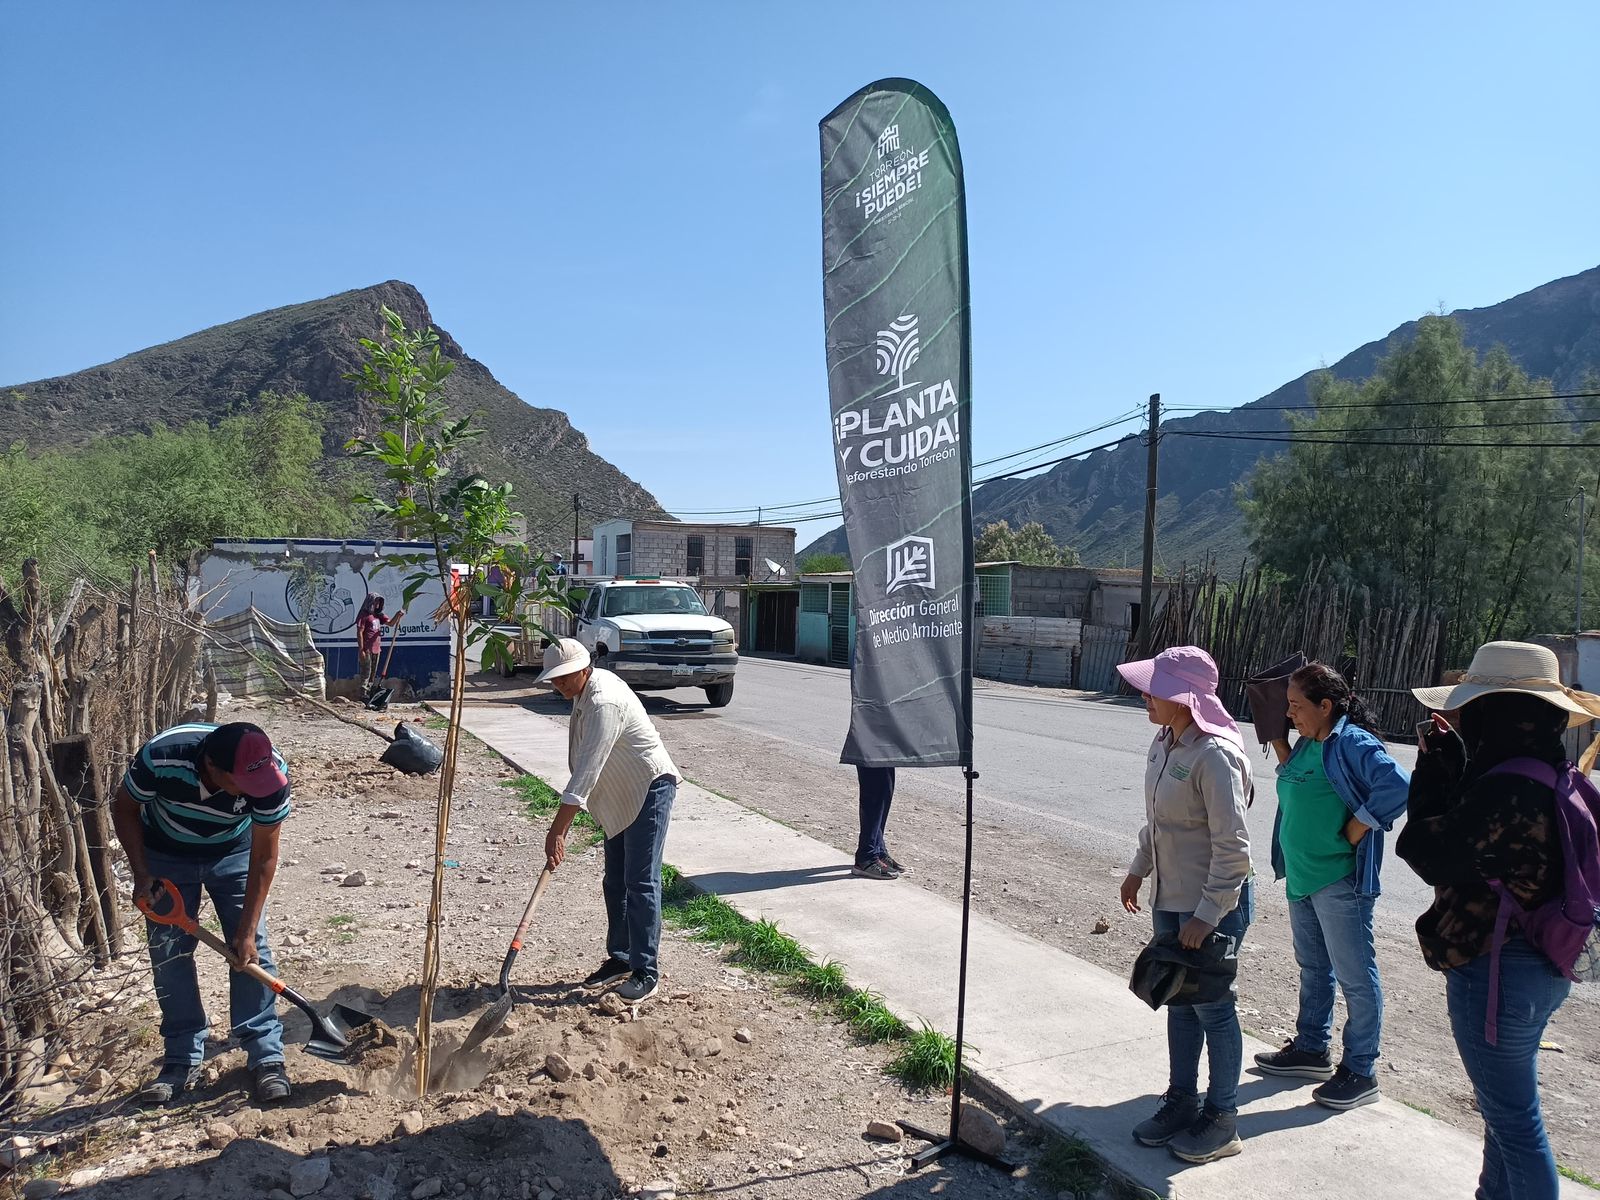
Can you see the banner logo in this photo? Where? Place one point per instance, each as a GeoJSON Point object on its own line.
{"type": "Point", "coordinates": [888, 140]}
{"type": "Point", "coordinates": [898, 349]}
{"type": "Point", "coordinates": [910, 564]}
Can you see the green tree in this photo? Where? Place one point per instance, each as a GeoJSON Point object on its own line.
{"type": "Point", "coordinates": [1382, 489]}
{"type": "Point", "coordinates": [825, 564]}
{"type": "Point", "coordinates": [1031, 544]}
{"type": "Point", "coordinates": [465, 521]}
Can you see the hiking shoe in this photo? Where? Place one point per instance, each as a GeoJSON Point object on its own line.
{"type": "Point", "coordinates": [641, 985]}
{"type": "Point", "coordinates": [272, 1083]}
{"type": "Point", "coordinates": [1178, 1111]}
{"type": "Point", "coordinates": [876, 869]}
{"type": "Point", "coordinates": [1347, 1090]}
{"type": "Point", "coordinates": [173, 1081]}
{"type": "Point", "coordinates": [1214, 1135]}
{"type": "Point", "coordinates": [1296, 1064]}
{"type": "Point", "coordinates": [611, 972]}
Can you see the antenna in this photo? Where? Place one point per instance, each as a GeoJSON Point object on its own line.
{"type": "Point", "coordinates": [774, 569]}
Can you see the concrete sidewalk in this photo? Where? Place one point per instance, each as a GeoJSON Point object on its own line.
{"type": "Point", "coordinates": [1061, 1039]}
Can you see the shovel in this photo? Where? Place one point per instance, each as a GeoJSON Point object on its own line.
{"type": "Point", "coordinates": [330, 1035]}
{"type": "Point", "coordinates": [494, 1017]}
{"type": "Point", "coordinates": [379, 700]}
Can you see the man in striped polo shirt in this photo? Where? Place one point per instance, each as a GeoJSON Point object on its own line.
{"type": "Point", "coordinates": [201, 807]}
{"type": "Point", "coordinates": [622, 775]}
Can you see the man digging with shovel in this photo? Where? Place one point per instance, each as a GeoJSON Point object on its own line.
{"type": "Point", "coordinates": [622, 775]}
{"type": "Point", "coordinates": [201, 806]}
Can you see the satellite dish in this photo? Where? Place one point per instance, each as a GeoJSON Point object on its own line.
{"type": "Point", "coordinates": [775, 568]}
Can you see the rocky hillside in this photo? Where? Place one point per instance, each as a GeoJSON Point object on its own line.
{"type": "Point", "coordinates": [308, 348]}
{"type": "Point", "coordinates": [1096, 504]}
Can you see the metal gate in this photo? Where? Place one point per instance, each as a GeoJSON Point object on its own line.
{"type": "Point", "coordinates": [839, 625]}
{"type": "Point", "coordinates": [1102, 649]}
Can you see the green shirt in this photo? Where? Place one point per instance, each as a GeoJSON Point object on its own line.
{"type": "Point", "coordinates": [1315, 851]}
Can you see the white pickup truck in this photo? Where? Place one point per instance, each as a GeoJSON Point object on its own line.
{"type": "Point", "coordinates": [656, 634]}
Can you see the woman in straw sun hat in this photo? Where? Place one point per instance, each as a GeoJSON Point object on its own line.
{"type": "Point", "coordinates": [1465, 828]}
{"type": "Point", "coordinates": [1196, 844]}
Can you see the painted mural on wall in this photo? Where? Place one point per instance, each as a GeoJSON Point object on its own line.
{"type": "Point", "coordinates": [323, 583]}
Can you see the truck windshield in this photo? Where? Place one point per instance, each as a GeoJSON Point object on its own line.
{"type": "Point", "coordinates": [653, 601]}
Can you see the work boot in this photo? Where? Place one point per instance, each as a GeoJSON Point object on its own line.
{"type": "Point", "coordinates": [1215, 1135]}
{"type": "Point", "coordinates": [1296, 1064]}
{"type": "Point", "coordinates": [272, 1083]}
{"type": "Point", "coordinates": [641, 985]}
{"type": "Point", "coordinates": [1178, 1111]}
{"type": "Point", "coordinates": [173, 1081]}
{"type": "Point", "coordinates": [611, 972]}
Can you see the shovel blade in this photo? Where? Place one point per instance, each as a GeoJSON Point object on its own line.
{"type": "Point", "coordinates": [330, 1035]}
{"type": "Point", "coordinates": [489, 1024]}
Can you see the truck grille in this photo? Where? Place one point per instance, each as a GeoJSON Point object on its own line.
{"type": "Point", "coordinates": [679, 642]}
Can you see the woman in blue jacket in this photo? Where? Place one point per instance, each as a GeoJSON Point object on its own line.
{"type": "Point", "coordinates": [1338, 791]}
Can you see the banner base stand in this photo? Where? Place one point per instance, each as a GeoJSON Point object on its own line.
{"type": "Point", "coordinates": [942, 1147]}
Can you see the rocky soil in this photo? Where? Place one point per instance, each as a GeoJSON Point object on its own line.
{"type": "Point", "coordinates": [720, 1086]}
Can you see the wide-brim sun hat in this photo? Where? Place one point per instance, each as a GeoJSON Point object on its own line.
{"type": "Point", "coordinates": [564, 656]}
{"type": "Point", "coordinates": [1520, 667]}
{"type": "Point", "coordinates": [1186, 675]}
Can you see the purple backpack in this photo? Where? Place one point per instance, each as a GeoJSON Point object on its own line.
{"type": "Point", "coordinates": [1566, 928]}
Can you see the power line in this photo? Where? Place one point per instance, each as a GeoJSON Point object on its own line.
{"type": "Point", "coordinates": [1384, 403]}
{"type": "Point", "coordinates": [1312, 441]}
{"type": "Point", "coordinates": [1567, 421]}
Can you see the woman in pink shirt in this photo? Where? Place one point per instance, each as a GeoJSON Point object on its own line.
{"type": "Point", "coordinates": [370, 623]}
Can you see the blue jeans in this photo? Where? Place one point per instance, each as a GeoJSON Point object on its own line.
{"type": "Point", "coordinates": [877, 793]}
{"type": "Point", "coordinates": [1214, 1027]}
{"type": "Point", "coordinates": [632, 884]}
{"type": "Point", "coordinates": [1333, 941]}
{"type": "Point", "coordinates": [1517, 1162]}
{"type": "Point", "coordinates": [252, 1007]}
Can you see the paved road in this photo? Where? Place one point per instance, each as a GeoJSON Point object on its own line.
{"type": "Point", "coordinates": [1055, 765]}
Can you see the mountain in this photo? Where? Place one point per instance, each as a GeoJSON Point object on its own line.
{"type": "Point", "coordinates": [308, 348]}
{"type": "Point", "coordinates": [1096, 504]}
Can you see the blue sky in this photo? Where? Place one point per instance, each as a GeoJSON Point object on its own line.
{"type": "Point", "coordinates": [615, 206]}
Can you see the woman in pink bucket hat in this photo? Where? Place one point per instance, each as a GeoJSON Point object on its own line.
{"type": "Point", "coordinates": [1196, 844]}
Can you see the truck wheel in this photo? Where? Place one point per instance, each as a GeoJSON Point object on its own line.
{"type": "Point", "coordinates": [719, 694]}
{"type": "Point", "coordinates": [507, 668]}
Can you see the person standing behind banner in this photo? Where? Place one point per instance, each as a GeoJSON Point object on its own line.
{"type": "Point", "coordinates": [1196, 843]}
{"type": "Point", "coordinates": [873, 860]}
{"type": "Point", "coordinates": [1338, 790]}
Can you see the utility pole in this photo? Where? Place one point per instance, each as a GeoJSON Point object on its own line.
{"type": "Point", "coordinates": [574, 533]}
{"type": "Point", "coordinates": [1578, 618]}
{"type": "Point", "coordinates": [1147, 580]}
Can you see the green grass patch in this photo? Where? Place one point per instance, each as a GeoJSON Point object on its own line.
{"type": "Point", "coordinates": [540, 801]}
{"type": "Point", "coordinates": [1068, 1166]}
{"type": "Point", "coordinates": [1577, 1177]}
{"type": "Point", "coordinates": [1421, 1108]}
{"type": "Point", "coordinates": [926, 1058]}
{"type": "Point", "coordinates": [435, 721]}
{"type": "Point", "coordinates": [340, 920]}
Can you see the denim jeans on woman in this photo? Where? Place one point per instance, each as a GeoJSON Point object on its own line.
{"type": "Point", "coordinates": [1517, 1162]}
{"type": "Point", "coordinates": [1212, 1027]}
{"type": "Point", "coordinates": [1333, 941]}
{"type": "Point", "coordinates": [252, 1007]}
{"type": "Point", "coordinates": [876, 793]}
{"type": "Point", "coordinates": [632, 882]}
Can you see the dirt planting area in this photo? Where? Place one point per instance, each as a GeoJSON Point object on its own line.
{"type": "Point", "coordinates": [723, 1085]}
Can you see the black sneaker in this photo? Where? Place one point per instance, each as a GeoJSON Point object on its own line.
{"type": "Point", "coordinates": [1296, 1064]}
{"type": "Point", "coordinates": [173, 1081]}
{"type": "Point", "coordinates": [876, 869]}
{"type": "Point", "coordinates": [611, 972]}
{"type": "Point", "coordinates": [272, 1083]}
{"type": "Point", "coordinates": [1347, 1090]}
{"type": "Point", "coordinates": [1178, 1111]}
{"type": "Point", "coordinates": [641, 985]}
{"type": "Point", "coordinates": [1214, 1135]}
{"type": "Point", "coordinates": [889, 861]}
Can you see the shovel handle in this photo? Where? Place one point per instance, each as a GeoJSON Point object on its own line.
{"type": "Point", "coordinates": [522, 928]}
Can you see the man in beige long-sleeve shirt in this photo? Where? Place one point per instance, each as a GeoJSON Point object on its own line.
{"type": "Point", "coordinates": [621, 773]}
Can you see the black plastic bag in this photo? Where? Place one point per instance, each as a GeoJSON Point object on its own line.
{"type": "Point", "coordinates": [1268, 693]}
{"type": "Point", "coordinates": [411, 752]}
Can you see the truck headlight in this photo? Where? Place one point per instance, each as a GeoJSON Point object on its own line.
{"type": "Point", "coordinates": [628, 637]}
{"type": "Point", "coordinates": [722, 637]}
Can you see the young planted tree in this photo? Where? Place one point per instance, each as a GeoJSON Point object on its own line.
{"type": "Point", "coordinates": [466, 521]}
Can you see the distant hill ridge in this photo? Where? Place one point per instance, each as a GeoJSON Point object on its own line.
{"type": "Point", "coordinates": [309, 348]}
{"type": "Point", "coordinates": [1096, 504]}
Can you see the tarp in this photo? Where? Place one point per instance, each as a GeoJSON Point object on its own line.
{"type": "Point", "coordinates": [895, 301]}
{"type": "Point", "coordinates": [253, 655]}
